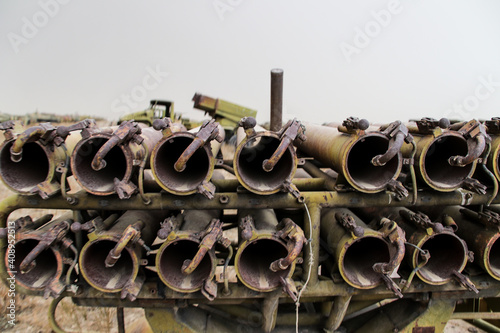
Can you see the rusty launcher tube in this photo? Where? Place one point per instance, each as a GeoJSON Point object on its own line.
{"type": "Point", "coordinates": [41, 255]}
{"type": "Point", "coordinates": [446, 159]}
{"type": "Point", "coordinates": [183, 162]}
{"type": "Point", "coordinates": [107, 161]}
{"type": "Point", "coordinates": [370, 162]}
{"type": "Point", "coordinates": [33, 161]}
{"type": "Point", "coordinates": [493, 129]}
{"type": "Point", "coordinates": [186, 261]}
{"type": "Point", "coordinates": [433, 251]}
{"type": "Point", "coordinates": [480, 230]}
{"type": "Point", "coordinates": [268, 251]}
{"type": "Point", "coordinates": [364, 257]}
{"type": "Point", "coordinates": [111, 259]}
{"type": "Point", "coordinates": [265, 162]}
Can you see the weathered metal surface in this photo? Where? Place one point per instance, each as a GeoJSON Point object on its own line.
{"type": "Point", "coordinates": [447, 253]}
{"type": "Point", "coordinates": [483, 240]}
{"type": "Point", "coordinates": [260, 246]}
{"type": "Point", "coordinates": [433, 155]}
{"type": "Point", "coordinates": [253, 154]}
{"type": "Point", "coordinates": [364, 257]}
{"type": "Point", "coordinates": [182, 163]}
{"type": "Point", "coordinates": [37, 258]}
{"type": "Point", "coordinates": [39, 158]}
{"type": "Point", "coordinates": [276, 99]}
{"type": "Point", "coordinates": [124, 150]}
{"type": "Point", "coordinates": [186, 261]}
{"type": "Point", "coordinates": [351, 155]}
{"type": "Point", "coordinates": [276, 266]}
{"type": "Point", "coordinates": [94, 263]}
{"type": "Point", "coordinates": [227, 114]}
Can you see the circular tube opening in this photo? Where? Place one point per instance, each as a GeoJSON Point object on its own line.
{"type": "Point", "coordinates": [447, 255]}
{"type": "Point", "coordinates": [197, 168]}
{"type": "Point", "coordinates": [359, 259]}
{"type": "Point", "coordinates": [254, 262]}
{"type": "Point", "coordinates": [249, 164]}
{"type": "Point", "coordinates": [102, 181]}
{"type": "Point", "coordinates": [494, 258]}
{"type": "Point", "coordinates": [44, 271]}
{"type": "Point", "coordinates": [170, 263]}
{"type": "Point", "coordinates": [32, 170]}
{"type": "Point", "coordinates": [97, 274]}
{"type": "Point", "coordinates": [436, 166]}
{"type": "Point", "coordinates": [362, 172]}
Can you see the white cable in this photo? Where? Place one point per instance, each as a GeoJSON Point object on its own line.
{"type": "Point", "coordinates": [310, 262]}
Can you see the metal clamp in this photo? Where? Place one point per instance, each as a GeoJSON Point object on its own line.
{"type": "Point", "coordinates": [54, 235]}
{"type": "Point", "coordinates": [397, 133]}
{"type": "Point", "coordinates": [348, 222]}
{"type": "Point", "coordinates": [477, 138]}
{"type": "Point", "coordinates": [62, 132]}
{"type": "Point", "coordinates": [397, 188]}
{"type": "Point", "coordinates": [210, 236]}
{"type": "Point", "coordinates": [208, 132]}
{"type": "Point", "coordinates": [396, 236]}
{"type": "Point", "coordinates": [40, 132]}
{"type": "Point", "coordinates": [131, 235]}
{"type": "Point", "coordinates": [297, 239]}
{"type": "Point", "coordinates": [354, 124]}
{"type": "Point", "coordinates": [127, 131]}
{"type": "Point", "coordinates": [465, 281]}
{"type": "Point", "coordinates": [292, 130]}
{"type": "Point", "coordinates": [421, 220]}
{"type": "Point", "coordinates": [248, 124]}
{"type": "Point", "coordinates": [247, 227]}
{"type": "Point", "coordinates": [427, 125]}
{"type": "Point", "coordinates": [486, 217]}
{"type": "Point", "coordinates": [168, 225]}
{"type": "Point", "coordinates": [474, 185]}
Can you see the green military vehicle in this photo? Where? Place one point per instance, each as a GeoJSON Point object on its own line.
{"type": "Point", "coordinates": [227, 114]}
{"type": "Point", "coordinates": [158, 109]}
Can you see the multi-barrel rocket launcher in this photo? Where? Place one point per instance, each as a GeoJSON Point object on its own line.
{"type": "Point", "coordinates": [306, 225]}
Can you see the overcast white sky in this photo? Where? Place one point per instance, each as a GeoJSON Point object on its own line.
{"type": "Point", "coordinates": [381, 60]}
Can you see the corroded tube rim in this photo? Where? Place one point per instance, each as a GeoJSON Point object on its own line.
{"type": "Point", "coordinates": [424, 238]}
{"type": "Point", "coordinates": [184, 238]}
{"type": "Point", "coordinates": [242, 247]}
{"type": "Point", "coordinates": [58, 260]}
{"type": "Point", "coordinates": [127, 153]}
{"type": "Point", "coordinates": [244, 181]}
{"type": "Point", "coordinates": [424, 172]}
{"type": "Point", "coordinates": [342, 252]}
{"type": "Point", "coordinates": [83, 270]}
{"type": "Point", "coordinates": [52, 165]}
{"type": "Point", "coordinates": [355, 182]}
{"type": "Point", "coordinates": [191, 189]}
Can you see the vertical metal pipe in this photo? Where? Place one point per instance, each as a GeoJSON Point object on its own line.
{"type": "Point", "coordinates": [311, 250]}
{"type": "Point", "coordinates": [276, 99]}
{"type": "Point", "coordinates": [120, 318]}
